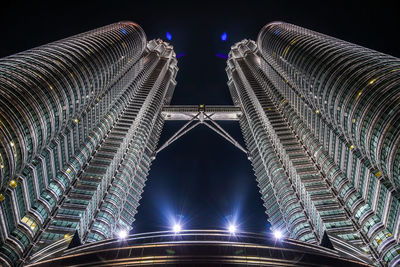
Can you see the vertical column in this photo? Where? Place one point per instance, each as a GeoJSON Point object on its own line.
{"type": "Point", "coordinates": [284, 208]}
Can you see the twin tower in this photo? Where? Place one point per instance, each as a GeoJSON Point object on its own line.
{"type": "Point", "coordinates": [80, 119]}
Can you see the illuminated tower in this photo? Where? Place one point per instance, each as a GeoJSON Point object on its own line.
{"type": "Point", "coordinates": [79, 122]}
{"type": "Point", "coordinates": [321, 119]}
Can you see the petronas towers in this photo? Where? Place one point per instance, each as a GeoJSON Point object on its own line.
{"type": "Point", "coordinates": [80, 120]}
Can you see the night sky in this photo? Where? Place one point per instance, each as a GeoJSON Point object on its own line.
{"type": "Point", "coordinates": [201, 178]}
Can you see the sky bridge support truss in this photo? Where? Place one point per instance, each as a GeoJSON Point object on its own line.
{"type": "Point", "coordinates": [201, 114]}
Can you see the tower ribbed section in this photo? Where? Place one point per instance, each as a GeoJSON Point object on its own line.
{"type": "Point", "coordinates": [76, 152]}
{"type": "Point", "coordinates": [284, 208]}
{"type": "Point", "coordinates": [330, 109]}
{"type": "Point", "coordinates": [143, 117]}
{"type": "Point", "coordinates": [46, 88]}
{"type": "Point", "coordinates": [355, 90]}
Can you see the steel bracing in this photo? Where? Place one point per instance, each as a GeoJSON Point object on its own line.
{"type": "Point", "coordinates": [202, 114]}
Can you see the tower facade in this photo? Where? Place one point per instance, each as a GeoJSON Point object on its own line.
{"type": "Point", "coordinates": [79, 122]}
{"type": "Point", "coordinates": [321, 121]}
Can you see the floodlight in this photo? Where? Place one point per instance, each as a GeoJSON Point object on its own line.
{"type": "Point", "coordinates": [232, 228]}
{"type": "Point", "coordinates": [177, 228]}
{"type": "Point", "coordinates": [122, 234]}
{"type": "Point", "coordinates": [278, 234]}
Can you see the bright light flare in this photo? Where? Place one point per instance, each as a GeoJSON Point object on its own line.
{"type": "Point", "coordinates": [232, 228]}
{"type": "Point", "coordinates": [122, 234]}
{"type": "Point", "coordinates": [278, 234]}
{"type": "Point", "coordinates": [177, 228]}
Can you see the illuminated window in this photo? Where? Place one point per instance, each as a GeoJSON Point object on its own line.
{"type": "Point", "coordinates": [13, 183]}
{"type": "Point", "coordinates": [29, 222]}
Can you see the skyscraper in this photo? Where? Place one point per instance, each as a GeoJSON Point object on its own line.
{"type": "Point", "coordinates": [79, 122]}
{"type": "Point", "coordinates": [321, 121]}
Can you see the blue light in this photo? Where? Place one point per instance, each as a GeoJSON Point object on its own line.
{"type": "Point", "coordinates": [223, 56]}
{"type": "Point", "coordinates": [123, 31]}
{"type": "Point", "coordinates": [169, 36]}
{"type": "Point", "coordinates": [224, 36]}
{"type": "Point", "coordinates": [180, 55]}
{"type": "Point", "coordinates": [277, 31]}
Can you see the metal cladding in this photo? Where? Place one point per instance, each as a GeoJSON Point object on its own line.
{"type": "Point", "coordinates": [355, 89]}
{"type": "Point", "coordinates": [44, 89]}
{"type": "Point", "coordinates": [80, 119]}
{"type": "Point", "coordinates": [199, 247]}
{"type": "Point", "coordinates": [321, 120]}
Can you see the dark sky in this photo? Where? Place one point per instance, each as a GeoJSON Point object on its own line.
{"type": "Point", "coordinates": [201, 177]}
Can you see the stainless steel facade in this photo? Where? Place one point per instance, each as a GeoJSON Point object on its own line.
{"type": "Point", "coordinates": [322, 124]}
{"type": "Point", "coordinates": [79, 122]}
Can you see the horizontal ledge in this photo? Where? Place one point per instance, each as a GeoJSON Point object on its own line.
{"type": "Point", "coordinates": [187, 112]}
